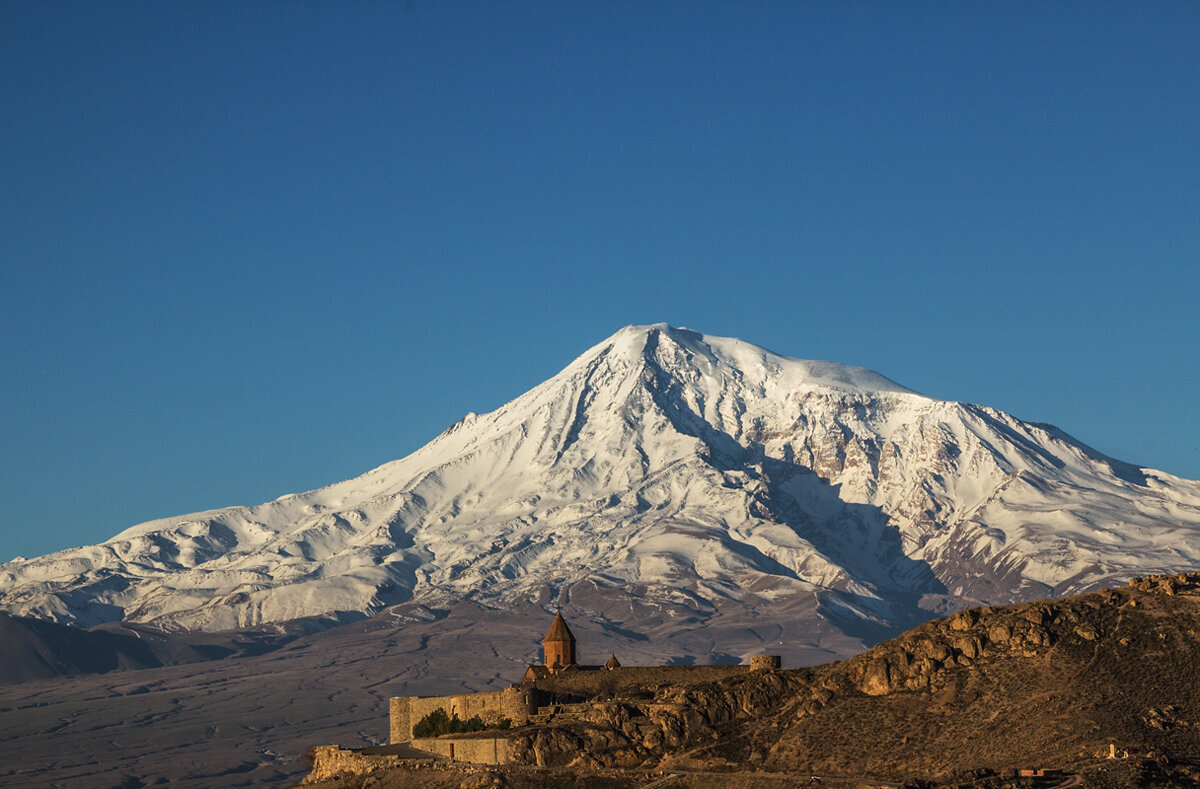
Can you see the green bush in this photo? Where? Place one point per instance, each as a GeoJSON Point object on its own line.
{"type": "Point", "coordinates": [433, 724]}
{"type": "Point", "coordinates": [437, 723]}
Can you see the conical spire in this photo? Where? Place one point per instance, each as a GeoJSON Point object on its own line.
{"type": "Point", "coordinates": [558, 647]}
{"type": "Point", "coordinates": [559, 630]}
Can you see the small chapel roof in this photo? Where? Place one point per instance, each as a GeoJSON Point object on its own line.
{"type": "Point", "coordinates": [534, 673]}
{"type": "Point", "coordinates": [559, 630]}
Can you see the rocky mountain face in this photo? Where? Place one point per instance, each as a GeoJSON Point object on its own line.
{"type": "Point", "coordinates": [671, 478]}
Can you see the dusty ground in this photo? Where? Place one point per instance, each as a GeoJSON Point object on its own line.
{"type": "Point", "coordinates": [443, 775]}
{"type": "Point", "coordinates": [246, 721]}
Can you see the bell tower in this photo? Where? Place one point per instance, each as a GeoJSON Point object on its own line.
{"type": "Point", "coordinates": [558, 647]}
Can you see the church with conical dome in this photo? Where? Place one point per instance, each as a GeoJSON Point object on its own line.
{"type": "Point", "coordinates": [558, 647]}
{"type": "Point", "coordinates": [558, 653]}
{"type": "Point", "coordinates": [559, 680]}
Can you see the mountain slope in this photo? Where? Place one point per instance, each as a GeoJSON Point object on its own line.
{"type": "Point", "coordinates": [35, 649]}
{"type": "Point", "coordinates": [698, 473]}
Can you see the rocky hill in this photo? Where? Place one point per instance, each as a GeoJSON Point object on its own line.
{"type": "Point", "coordinates": [1063, 684]}
{"type": "Point", "coordinates": [664, 476]}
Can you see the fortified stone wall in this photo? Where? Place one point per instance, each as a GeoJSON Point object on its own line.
{"type": "Point", "coordinates": [632, 678]}
{"type": "Point", "coordinates": [516, 704]}
{"type": "Point", "coordinates": [477, 750]}
{"type": "Point", "coordinates": [521, 701]}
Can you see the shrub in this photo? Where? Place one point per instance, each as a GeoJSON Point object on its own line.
{"type": "Point", "coordinates": [437, 723]}
{"type": "Point", "coordinates": [434, 724]}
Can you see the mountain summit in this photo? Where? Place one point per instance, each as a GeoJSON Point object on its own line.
{"type": "Point", "coordinates": [672, 471]}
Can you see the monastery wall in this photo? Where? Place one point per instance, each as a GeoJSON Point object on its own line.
{"type": "Point", "coordinates": [477, 750]}
{"type": "Point", "coordinates": [568, 686]}
{"type": "Point", "coordinates": [633, 678]}
{"type": "Point", "coordinates": [515, 704]}
{"type": "Point", "coordinates": [519, 702]}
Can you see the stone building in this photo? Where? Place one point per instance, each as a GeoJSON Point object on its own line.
{"type": "Point", "coordinates": [558, 647]}
{"type": "Point", "coordinates": [558, 653]}
{"type": "Point", "coordinates": [559, 680]}
{"type": "Point", "coordinates": [516, 703]}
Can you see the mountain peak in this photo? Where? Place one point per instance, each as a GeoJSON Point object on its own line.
{"type": "Point", "coordinates": [671, 346]}
{"type": "Point", "coordinates": [664, 473]}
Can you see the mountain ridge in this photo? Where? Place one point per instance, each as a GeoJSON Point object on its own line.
{"type": "Point", "coordinates": [691, 470]}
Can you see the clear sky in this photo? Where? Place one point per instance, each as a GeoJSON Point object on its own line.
{"type": "Point", "coordinates": [252, 248]}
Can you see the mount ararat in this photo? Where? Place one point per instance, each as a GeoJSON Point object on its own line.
{"type": "Point", "coordinates": [665, 481]}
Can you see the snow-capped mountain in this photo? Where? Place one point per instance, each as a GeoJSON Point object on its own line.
{"type": "Point", "coordinates": [670, 466]}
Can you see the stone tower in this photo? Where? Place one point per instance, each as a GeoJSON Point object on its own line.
{"type": "Point", "coordinates": [558, 646]}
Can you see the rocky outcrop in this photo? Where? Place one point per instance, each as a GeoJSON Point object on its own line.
{"type": "Point", "coordinates": [333, 761]}
{"type": "Point", "coordinates": [1100, 679]}
{"type": "Point", "coordinates": [615, 734]}
{"type": "Point", "coordinates": [933, 659]}
{"type": "Point", "coordinates": [633, 733]}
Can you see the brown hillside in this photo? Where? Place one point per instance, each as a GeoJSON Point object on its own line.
{"type": "Point", "coordinates": [1051, 684]}
{"type": "Point", "coordinates": [965, 701]}
{"type": "Point", "coordinates": [1048, 684]}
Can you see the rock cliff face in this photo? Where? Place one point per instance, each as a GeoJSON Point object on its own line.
{"type": "Point", "coordinates": [703, 478]}
{"type": "Point", "coordinates": [1048, 683]}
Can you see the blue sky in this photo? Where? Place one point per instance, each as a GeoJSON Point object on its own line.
{"type": "Point", "coordinates": [248, 249]}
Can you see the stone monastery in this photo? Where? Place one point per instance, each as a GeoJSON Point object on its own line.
{"type": "Point", "coordinates": [551, 688]}
{"type": "Point", "coordinates": [559, 691]}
